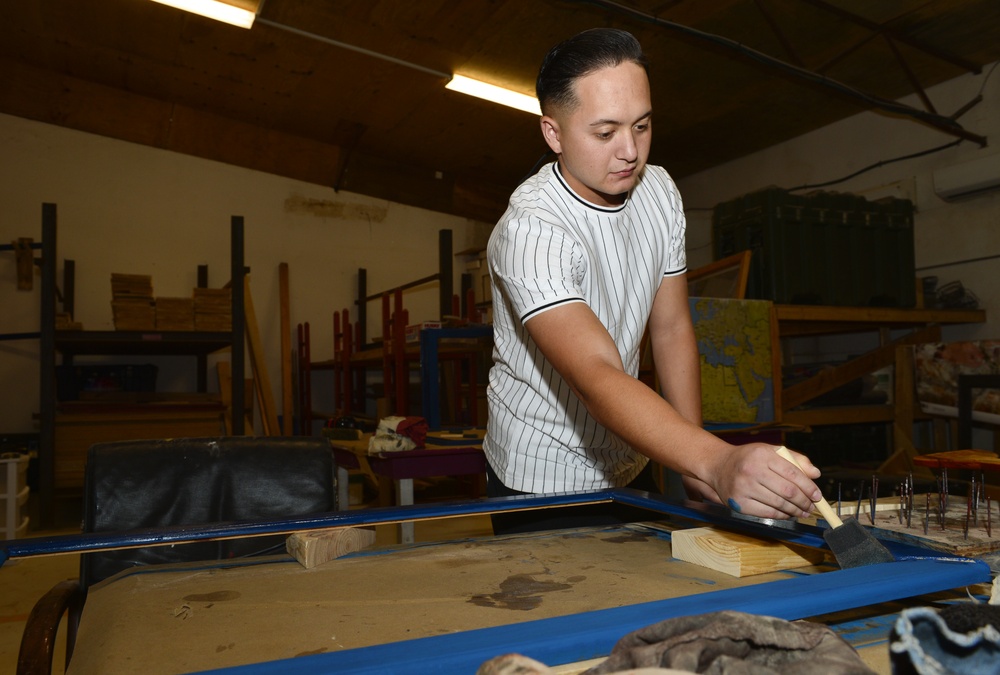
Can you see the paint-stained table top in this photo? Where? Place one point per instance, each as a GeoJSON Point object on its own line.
{"type": "Point", "coordinates": [181, 619]}
{"type": "Point", "coordinates": [186, 618]}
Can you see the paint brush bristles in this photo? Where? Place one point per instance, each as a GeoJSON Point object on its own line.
{"type": "Point", "coordinates": [851, 544]}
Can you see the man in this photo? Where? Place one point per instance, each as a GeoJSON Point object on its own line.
{"type": "Point", "coordinates": [588, 254]}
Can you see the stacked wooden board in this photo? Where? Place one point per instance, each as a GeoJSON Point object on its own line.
{"type": "Point", "coordinates": [174, 314]}
{"type": "Point", "coordinates": [213, 309]}
{"type": "Point", "coordinates": [135, 309]}
{"type": "Point", "coordinates": [132, 303]}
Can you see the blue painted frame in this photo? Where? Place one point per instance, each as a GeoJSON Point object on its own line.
{"type": "Point", "coordinates": [805, 535]}
{"type": "Point", "coordinates": [575, 637]}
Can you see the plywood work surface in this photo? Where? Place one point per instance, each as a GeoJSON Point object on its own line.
{"type": "Point", "coordinates": [228, 616]}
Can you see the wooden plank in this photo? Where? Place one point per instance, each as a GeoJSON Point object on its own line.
{"type": "Point", "coordinates": [315, 547]}
{"type": "Point", "coordinates": [980, 460]}
{"type": "Point", "coordinates": [287, 393]}
{"type": "Point", "coordinates": [792, 315]}
{"type": "Point", "coordinates": [739, 555]}
{"type": "Point", "coordinates": [261, 380]}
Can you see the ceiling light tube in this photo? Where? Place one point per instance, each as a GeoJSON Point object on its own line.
{"type": "Point", "coordinates": [493, 93]}
{"type": "Point", "coordinates": [214, 9]}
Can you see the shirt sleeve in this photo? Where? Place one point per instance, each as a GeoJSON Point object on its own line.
{"type": "Point", "coordinates": [676, 253]}
{"type": "Point", "coordinates": [536, 265]}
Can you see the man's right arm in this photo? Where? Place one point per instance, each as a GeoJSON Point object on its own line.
{"type": "Point", "coordinates": [752, 478]}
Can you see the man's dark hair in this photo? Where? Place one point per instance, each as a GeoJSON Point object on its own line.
{"type": "Point", "coordinates": [581, 55]}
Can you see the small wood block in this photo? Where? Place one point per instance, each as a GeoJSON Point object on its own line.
{"type": "Point", "coordinates": [739, 555]}
{"type": "Point", "coordinates": [316, 547]}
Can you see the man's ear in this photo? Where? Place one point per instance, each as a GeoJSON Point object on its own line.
{"type": "Point", "coordinates": [550, 132]}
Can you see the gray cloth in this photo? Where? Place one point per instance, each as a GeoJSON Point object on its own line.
{"type": "Point", "coordinates": [735, 643]}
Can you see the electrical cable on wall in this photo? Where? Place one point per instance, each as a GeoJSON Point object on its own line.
{"type": "Point", "coordinates": [974, 101]}
{"type": "Point", "coordinates": [876, 165]}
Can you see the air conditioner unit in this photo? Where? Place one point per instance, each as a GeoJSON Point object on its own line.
{"type": "Point", "coordinates": [969, 179]}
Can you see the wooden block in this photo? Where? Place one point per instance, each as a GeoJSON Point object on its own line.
{"type": "Point", "coordinates": [316, 547]}
{"type": "Point", "coordinates": [255, 350]}
{"type": "Point", "coordinates": [739, 555]}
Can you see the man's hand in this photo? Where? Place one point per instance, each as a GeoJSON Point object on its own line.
{"type": "Point", "coordinates": [754, 480]}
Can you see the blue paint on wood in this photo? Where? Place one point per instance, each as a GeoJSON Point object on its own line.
{"type": "Point", "coordinates": [803, 535]}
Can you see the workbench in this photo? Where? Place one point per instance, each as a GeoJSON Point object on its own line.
{"type": "Point", "coordinates": [403, 609]}
{"type": "Point", "coordinates": [443, 455]}
{"type": "Point", "coordinates": [560, 597]}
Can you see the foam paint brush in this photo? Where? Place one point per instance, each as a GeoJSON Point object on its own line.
{"type": "Point", "coordinates": [850, 542]}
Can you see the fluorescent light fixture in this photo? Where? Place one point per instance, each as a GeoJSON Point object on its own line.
{"type": "Point", "coordinates": [493, 93]}
{"type": "Point", "coordinates": [215, 9]}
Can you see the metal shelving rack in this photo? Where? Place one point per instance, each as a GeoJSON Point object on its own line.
{"type": "Point", "coordinates": [73, 343]}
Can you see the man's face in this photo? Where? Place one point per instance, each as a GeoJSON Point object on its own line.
{"type": "Point", "coordinates": [603, 142]}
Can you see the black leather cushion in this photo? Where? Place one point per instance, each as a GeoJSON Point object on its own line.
{"type": "Point", "coordinates": [193, 481]}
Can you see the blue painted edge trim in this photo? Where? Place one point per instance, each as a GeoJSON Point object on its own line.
{"type": "Point", "coordinates": [95, 541]}
{"type": "Point", "coordinates": [589, 635]}
{"type": "Point", "coordinates": [804, 535]}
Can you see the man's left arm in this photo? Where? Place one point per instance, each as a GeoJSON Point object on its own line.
{"type": "Point", "coordinates": [675, 350]}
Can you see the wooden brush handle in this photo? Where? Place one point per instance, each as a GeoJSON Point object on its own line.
{"type": "Point", "coordinates": [822, 506]}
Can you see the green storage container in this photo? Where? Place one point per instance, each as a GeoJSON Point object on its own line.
{"type": "Point", "coordinates": [822, 248]}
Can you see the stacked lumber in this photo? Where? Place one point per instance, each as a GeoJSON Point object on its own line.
{"type": "Point", "coordinates": [213, 309]}
{"type": "Point", "coordinates": [132, 302]}
{"type": "Point", "coordinates": [174, 314]}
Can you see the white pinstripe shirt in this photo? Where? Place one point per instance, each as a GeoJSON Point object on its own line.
{"type": "Point", "coordinates": [551, 247]}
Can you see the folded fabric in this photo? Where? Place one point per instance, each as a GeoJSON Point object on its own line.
{"type": "Point", "coordinates": [387, 425]}
{"type": "Point", "coordinates": [389, 442]}
{"type": "Point", "coordinates": [415, 428]}
{"type": "Point", "coordinates": [735, 643]}
{"type": "Point", "coordinates": [395, 434]}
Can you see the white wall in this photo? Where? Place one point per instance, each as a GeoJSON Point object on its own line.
{"type": "Point", "coordinates": [133, 209]}
{"type": "Point", "coordinates": [943, 232]}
